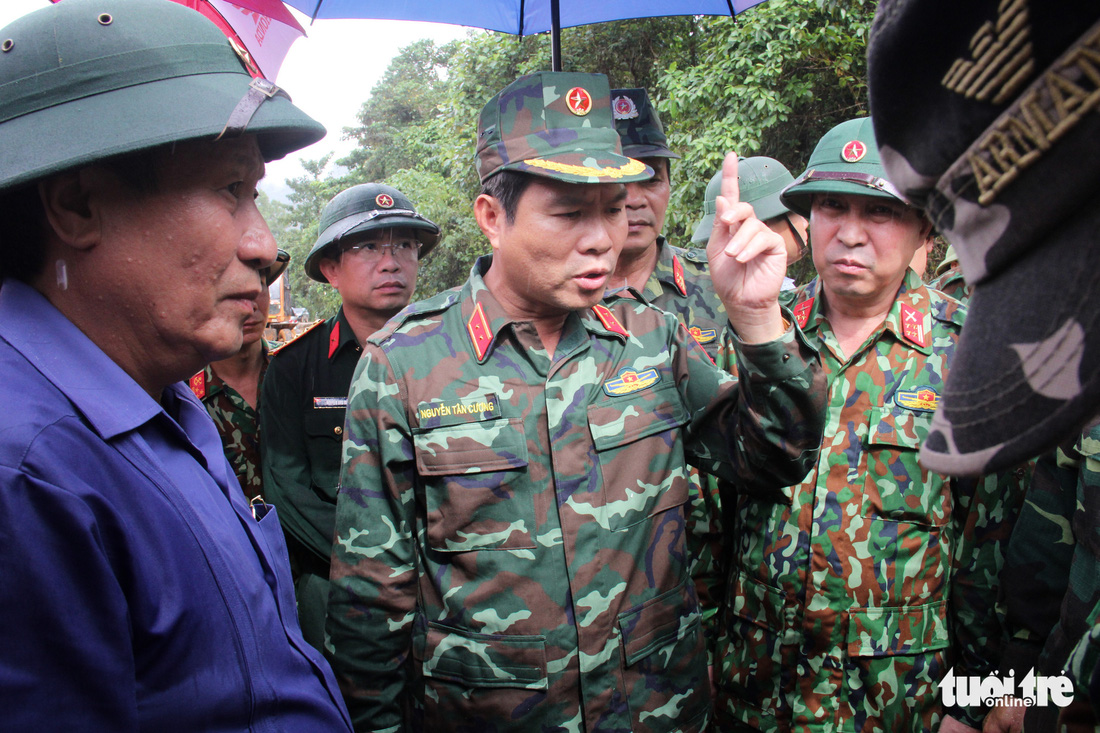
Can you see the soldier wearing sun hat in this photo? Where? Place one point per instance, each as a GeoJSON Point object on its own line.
{"type": "Point", "coordinates": [509, 548]}
{"type": "Point", "coordinates": [1002, 155]}
{"type": "Point", "coordinates": [369, 244]}
{"type": "Point", "coordinates": [140, 591]}
{"type": "Point", "coordinates": [875, 568]}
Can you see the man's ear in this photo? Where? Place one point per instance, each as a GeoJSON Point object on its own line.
{"type": "Point", "coordinates": [329, 268]}
{"type": "Point", "coordinates": [71, 212]}
{"type": "Point", "coordinates": [491, 217]}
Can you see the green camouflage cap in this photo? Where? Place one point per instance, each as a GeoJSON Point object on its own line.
{"type": "Point", "coordinates": [84, 80]}
{"type": "Point", "coordinates": [638, 125]}
{"type": "Point", "coordinates": [557, 125]}
{"type": "Point", "coordinates": [846, 160]}
{"type": "Point", "coordinates": [363, 208]}
{"type": "Point", "coordinates": [760, 180]}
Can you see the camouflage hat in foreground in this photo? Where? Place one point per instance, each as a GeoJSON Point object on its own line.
{"type": "Point", "coordinates": [638, 125]}
{"type": "Point", "coordinates": [557, 125]}
{"type": "Point", "coordinates": [84, 80]}
{"type": "Point", "coordinates": [986, 113]}
{"type": "Point", "coordinates": [845, 161]}
{"type": "Point", "coordinates": [363, 208]}
{"type": "Point", "coordinates": [760, 181]}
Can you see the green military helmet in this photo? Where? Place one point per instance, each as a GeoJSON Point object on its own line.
{"type": "Point", "coordinates": [760, 180]}
{"type": "Point", "coordinates": [845, 161]}
{"type": "Point", "coordinates": [84, 80]}
{"type": "Point", "coordinates": [638, 125]}
{"type": "Point", "coordinates": [557, 125]}
{"type": "Point", "coordinates": [363, 208]}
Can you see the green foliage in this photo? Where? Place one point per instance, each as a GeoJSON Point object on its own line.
{"type": "Point", "coordinates": [769, 82]}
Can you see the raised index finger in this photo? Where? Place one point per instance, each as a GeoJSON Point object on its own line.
{"type": "Point", "coordinates": [731, 192]}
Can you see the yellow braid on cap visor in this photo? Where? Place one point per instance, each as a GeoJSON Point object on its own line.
{"type": "Point", "coordinates": [632, 168]}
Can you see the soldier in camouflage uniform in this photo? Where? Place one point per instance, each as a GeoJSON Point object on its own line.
{"type": "Point", "coordinates": [672, 278]}
{"type": "Point", "coordinates": [368, 248]}
{"type": "Point", "coordinates": [949, 278]}
{"type": "Point", "coordinates": [850, 602]}
{"type": "Point", "coordinates": [235, 412]}
{"type": "Point", "coordinates": [509, 550]}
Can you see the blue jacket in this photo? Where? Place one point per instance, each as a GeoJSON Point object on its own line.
{"type": "Point", "coordinates": [137, 591]}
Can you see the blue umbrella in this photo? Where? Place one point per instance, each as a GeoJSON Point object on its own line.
{"type": "Point", "coordinates": [519, 17]}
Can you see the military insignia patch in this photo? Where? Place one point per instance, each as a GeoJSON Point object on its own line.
{"type": "Point", "coordinates": [480, 333]}
{"type": "Point", "coordinates": [609, 321]}
{"type": "Point", "coordinates": [912, 325]}
{"type": "Point", "coordinates": [703, 337]}
{"type": "Point", "coordinates": [579, 101]}
{"type": "Point", "coordinates": [802, 312]}
{"type": "Point", "coordinates": [623, 108]}
{"type": "Point", "coordinates": [384, 200]}
{"type": "Point", "coordinates": [853, 151]}
{"type": "Point", "coordinates": [630, 380]}
{"type": "Point", "coordinates": [678, 276]}
{"type": "Point", "coordinates": [197, 384]}
{"type": "Point", "coordinates": [924, 399]}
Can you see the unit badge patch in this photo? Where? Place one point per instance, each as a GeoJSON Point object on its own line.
{"type": "Point", "coordinates": [703, 337]}
{"type": "Point", "coordinates": [623, 108]}
{"type": "Point", "coordinates": [923, 399]}
{"type": "Point", "coordinates": [384, 200]}
{"type": "Point", "coordinates": [579, 101]}
{"type": "Point", "coordinates": [631, 380]}
{"type": "Point", "coordinates": [853, 151]}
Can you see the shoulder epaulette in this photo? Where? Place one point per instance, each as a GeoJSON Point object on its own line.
{"type": "Point", "coordinates": [310, 328]}
{"type": "Point", "coordinates": [696, 257]}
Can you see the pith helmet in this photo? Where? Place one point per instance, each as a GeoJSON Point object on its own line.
{"type": "Point", "coordinates": [845, 161]}
{"type": "Point", "coordinates": [638, 125]}
{"type": "Point", "coordinates": [760, 180]}
{"type": "Point", "coordinates": [361, 209]}
{"type": "Point", "coordinates": [557, 125]}
{"type": "Point", "coordinates": [88, 79]}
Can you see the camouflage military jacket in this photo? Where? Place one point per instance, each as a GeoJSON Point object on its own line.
{"type": "Point", "coordinates": [238, 425]}
{"type": "Point", "coordinates": [848, 606]}
{"type": "Point", "coordinates": [1053, 560]}
{"type": "Point", "coordinates": [680, 284]}
{"type": "Point", "coordinates": [509, 550]}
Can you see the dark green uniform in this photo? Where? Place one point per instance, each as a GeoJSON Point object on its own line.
{"type": "Point", "coordinates": [305, 394]}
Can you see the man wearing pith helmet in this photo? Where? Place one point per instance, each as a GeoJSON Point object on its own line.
{"type": "Point", "coordinates": [139, 590]}
{"type": "Point", "coordinates": [509, 548]}
{"type": "Point", "coordinates": [370, 240]}
{"type": "Point", "coordinates": [849, 601]}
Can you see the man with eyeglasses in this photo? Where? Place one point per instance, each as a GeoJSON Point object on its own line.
{"type": "Point", "coordinates": [370, 242]}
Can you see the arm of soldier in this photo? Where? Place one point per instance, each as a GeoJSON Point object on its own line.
{"type": "Point", "coordinates": [372, 598]}
{"type": "Point", "coordinates": [984, 513]}
{"type": "Point", "coordinates": [760, 430]}
{"type": "Point", "coordinates": [747, 263]}
{"type": "Point", "coordinates": [282, 448]}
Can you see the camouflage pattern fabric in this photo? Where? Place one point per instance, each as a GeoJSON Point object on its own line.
{"type": "Point", "coordinates": [1053, 560]}
{"type": "Point", "coordinates": [239, 427]}
{"type": "Point", "coordinates": [557, 125]}
{"type": "Point", "coordinates": [1083, 667]}
{"type": "Point", "coordinates": [509, 550]}
{"type": "Point", "coordinates": [949, 279]}
{"type": "Point", "coordinates": [848, 606]}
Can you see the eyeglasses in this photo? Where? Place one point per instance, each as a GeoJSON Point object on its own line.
{"type": "Point", "coordinates": [406, 250]}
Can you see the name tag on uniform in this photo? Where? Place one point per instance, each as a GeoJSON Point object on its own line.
{"type": "Point", "coordinates": [334, 402]}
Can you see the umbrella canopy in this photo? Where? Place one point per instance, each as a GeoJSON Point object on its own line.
{"type": "Point", "coordinates": [519, 17]}
{"type": "Point", "coordinates": [265, 28]}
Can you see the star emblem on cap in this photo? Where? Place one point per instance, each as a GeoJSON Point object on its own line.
{"type": "Point", "coordinates": [579, 101]}
{"type": "Point", "coordinates": [623, 108]}
{"type": "Point", "coordinates": [854, 151]}
{"type": "Point", "coordinates": [384, 200]}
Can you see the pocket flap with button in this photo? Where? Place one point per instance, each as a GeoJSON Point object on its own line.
{"type": "Point", "coordinates": [659, 622]}
{"type": "Point", "coordinates": [484, 660]}
{"type": "Point", "coordinates": [892, 630]}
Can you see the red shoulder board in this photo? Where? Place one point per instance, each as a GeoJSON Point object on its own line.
{"type": "Point", "coordinates": [912, 325]}
{"type": "Point", "coordinates": [802, 312]}
{"type": "Point", "coordinates": [334, 339]}
{"type": "Point", "coordinates": [481, 335]}
{"type": "Point", "coordinates": [610, 322]}
{"type": "Point", "coordinates": [197, 384]}
{"type": "Point", "coordinates": [678, 275]}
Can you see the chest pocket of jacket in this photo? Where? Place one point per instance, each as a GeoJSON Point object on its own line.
{"type": "Point", "coordinates": [640, 450]}
{"type": "Point", "coordinates": [895, 486]}
{"type": "Point", "coordinates": [473, 476]}
{"type": "Point", "coordinates": [324, 435]}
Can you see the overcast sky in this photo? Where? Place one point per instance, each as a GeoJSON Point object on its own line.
{"type": "Point", "coordinates": [329, 74]}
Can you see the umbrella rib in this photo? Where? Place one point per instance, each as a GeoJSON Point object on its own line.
{"type": "Point", "coordinates": [317, 9]}
{"type": "Point", "coordinates": [522, 15]}
{"type": "Point", "coordinates": [730, 4]}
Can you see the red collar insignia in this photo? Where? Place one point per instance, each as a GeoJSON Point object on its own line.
{"type": "Point", "coordinates": [480, 333]}
{"type": "Point", "coordinates": [334, 339]}
{"type": "Point", "coordinates": [197, 384]}
{"type": "Point", "coordinates": [912, 325]}
{"type": "Point", "coordinates": [678, 275]}
{"type": "Point", "coordinates": [610, 322]}
{"type": "Point", "coordinates": [802, 312]}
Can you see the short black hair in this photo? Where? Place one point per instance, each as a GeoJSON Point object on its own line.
{"type": "Point", "coordinates": [23, 234]}
{"type": "Point", "coordinates": [507, 187]}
